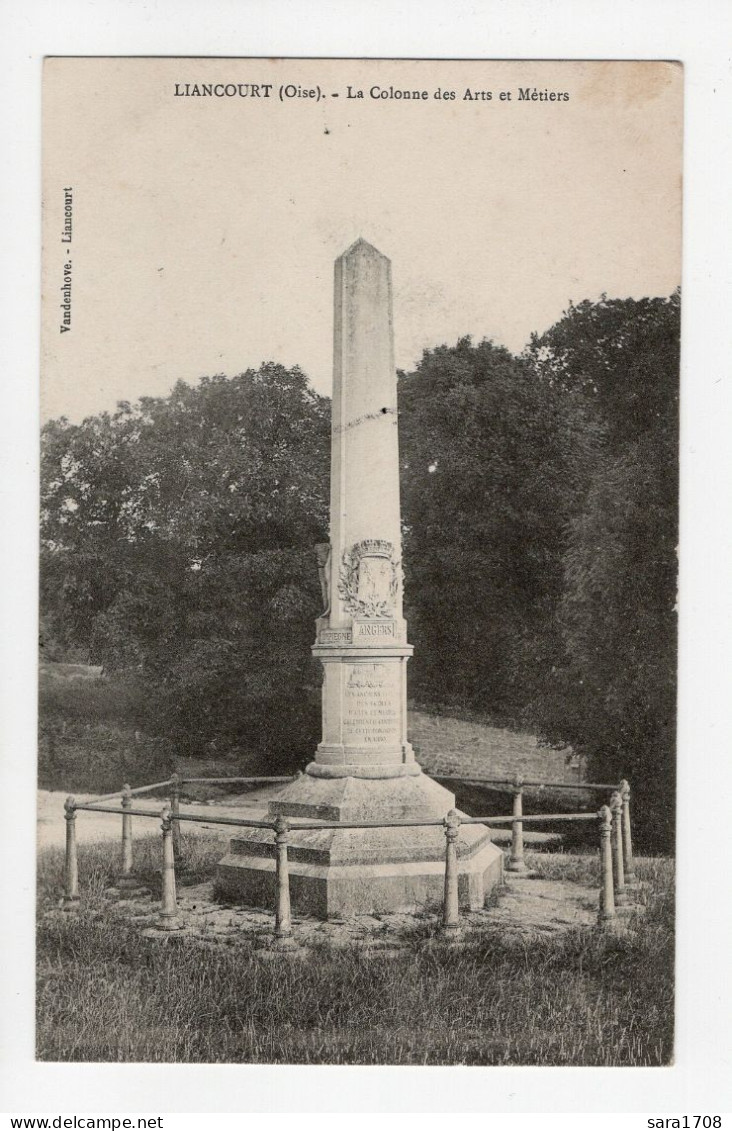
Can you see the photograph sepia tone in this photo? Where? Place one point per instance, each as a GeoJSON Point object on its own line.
{"type": "Point", "coordinates": [359, 538]}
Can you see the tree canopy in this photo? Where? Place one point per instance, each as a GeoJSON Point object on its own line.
{"type": "Point", "coordinates": [613, 689]}
{"type": "Point", "coordinates": [177, 539]}
{"type": "Point", "coordinates": [494, 465]}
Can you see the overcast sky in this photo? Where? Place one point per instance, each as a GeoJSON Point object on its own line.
{"type": "Point", "coordinates": [205, 228]}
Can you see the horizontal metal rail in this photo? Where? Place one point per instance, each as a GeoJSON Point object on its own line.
{"type": "Point", "coordinates": [535, 817]}
{"type": "Point", "coordinates": [571, 785]}
{"type": "Point", "coordinates": [90, 807]}
{"type": "Point", "coordinates": [470, 779]}
{"type": "Point", "coordinates": [138, 789]}
{"type": "Point", "coordinates": [244, 822]}
{"type": "Point", "coordinates": [303, 826]}
{"type": "Point", "coordinates": [440, 821]}
{"type": "Point", "coordinates": [425, 822]}
{"type": "Point", "coordinates": [105, 797]}
{"type": "Point", "coordinates": [195, 817]}
{"type": "Point", "coordinates": [217, 781]}
{"type": "Point", "coordinates": [150, 788]}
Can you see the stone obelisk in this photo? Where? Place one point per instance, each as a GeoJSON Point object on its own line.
{"type": "Point", "coordinates": [364, 768]}
{"type": "Point", "coordinates": [362, 635]}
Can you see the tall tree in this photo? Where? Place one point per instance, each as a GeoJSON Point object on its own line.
{"type": "Point", "coordinates": [176, 537]}
{"type": "Point", "coordinates": [494, 461]}
{"type": "Point", "coordinates": [614, 691]}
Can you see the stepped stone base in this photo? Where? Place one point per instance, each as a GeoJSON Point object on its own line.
{"type": "Point", "coordinates": [335, 873]}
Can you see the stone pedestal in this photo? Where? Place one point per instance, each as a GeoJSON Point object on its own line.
{"type": "Point", "coordinates": [339, 872]}
{"type": "Point", "coordinates": [364, 768]}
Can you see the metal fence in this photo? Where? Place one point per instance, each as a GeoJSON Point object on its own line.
{"type": "Point", "coordinates": [616, 870]}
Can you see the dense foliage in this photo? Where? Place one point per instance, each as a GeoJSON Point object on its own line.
{"type": "Point", "coordinates": [540, 512]}
{"type": "Point", "coordinates": [614, 689]}
{"type": "Point", "coordinates": [178, 540]}
{"type": "Point", "coordinates": [495, 463]}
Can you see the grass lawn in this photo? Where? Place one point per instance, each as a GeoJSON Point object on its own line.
{"type": "Point", "coordinates": [583, 998]}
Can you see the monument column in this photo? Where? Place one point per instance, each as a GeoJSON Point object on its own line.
{"type": "Point", "coordinates": [362, 636]}
{"type": "Point", "coordinates": [364, 777]}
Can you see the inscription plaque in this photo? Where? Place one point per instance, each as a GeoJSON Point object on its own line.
{"type": "Point", "coordinates": [373, 631]}
{"type": "Point", "coordinates": [372, 705]}
{"type": "Point", "coordinates": [335, 636]}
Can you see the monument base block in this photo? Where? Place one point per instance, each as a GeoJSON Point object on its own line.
{"type": "Point", "coordinates": [335, 873]}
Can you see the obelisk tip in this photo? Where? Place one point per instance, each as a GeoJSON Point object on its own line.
{"type": "Point", "coordinates": [361, 247]}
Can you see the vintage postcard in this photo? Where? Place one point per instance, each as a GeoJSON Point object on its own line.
{"type": "Point", "coordinates": [359, 531]}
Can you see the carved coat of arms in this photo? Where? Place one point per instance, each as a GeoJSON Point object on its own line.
{"type": "Point", "coordinates": [369, 579]}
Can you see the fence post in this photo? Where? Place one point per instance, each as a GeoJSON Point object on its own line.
{"type": "Point", "coordinates": [451, 909]}
{"type": "Point", "coordinates": [616, 807]}
{"type": "Point", "coordinates": [71, 869]}
{"type": "Point", "coordinates": [607, 897]}
{"type": "Point", "coordinates": [627, 840]}
{"type": "Point", "coordinates": [126, 880]}
{"type": "Point", "coordinates": [283, 922]}
{"type": "Point", "coordinates": [516, 862]}
{"type": "Point", "coordinates": [169, 905]}
{"type": "Point", "coordinates": [175, 810]}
